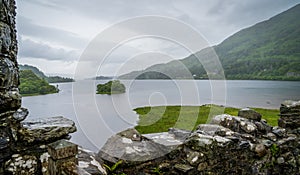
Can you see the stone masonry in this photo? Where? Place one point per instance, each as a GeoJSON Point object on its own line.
{"type": "Point", "coordinates": [23, 144]}
{"type": "Point", "coordinates": [290, 115]}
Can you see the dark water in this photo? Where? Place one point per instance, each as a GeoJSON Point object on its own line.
{"type": "Point", "coordinates": [99, 116]}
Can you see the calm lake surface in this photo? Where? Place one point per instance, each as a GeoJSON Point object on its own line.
{"type": "Point", "coordinates": [98, 117]}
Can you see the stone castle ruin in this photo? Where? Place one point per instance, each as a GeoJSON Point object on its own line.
{"type": "Point", "coordinates": [243, 144]}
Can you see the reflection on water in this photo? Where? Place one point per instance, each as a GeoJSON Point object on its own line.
{"type": "Point", "coordinates": [99, 116]}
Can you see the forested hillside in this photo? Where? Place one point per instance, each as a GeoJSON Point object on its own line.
{"type": "Point", "coordinates": [49, 79]}
{"type": "Point", "coordinates": [31, 84]}
{"type": "Point", "coordinates": [268, 50]}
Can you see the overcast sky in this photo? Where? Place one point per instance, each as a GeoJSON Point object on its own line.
{"type": "Point", "coordinates": [52, 34]}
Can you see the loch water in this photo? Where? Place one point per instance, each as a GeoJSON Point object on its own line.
{"type": "Point", "coordinates": [100, 116]}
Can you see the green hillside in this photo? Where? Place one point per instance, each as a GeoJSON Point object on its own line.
{"type": "Point", "coordinates": [35, 70]}
{"type": "Point", "coordinates": [31, 84]}
{"type": "Point", "coordinates": [49, 79]}
{"type": "Point", "coordinates": [268, 50]}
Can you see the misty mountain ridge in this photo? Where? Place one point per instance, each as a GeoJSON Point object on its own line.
{"type": "Point", "coordinates": [268, 50]}
{"type": "Point", "coordinates": [49, 79]}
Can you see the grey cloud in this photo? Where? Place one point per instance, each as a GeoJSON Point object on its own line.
{"type": "Point", "coordinates": [220, 19]}
{"type": "Point", "coordinates": [46, 3]}
{"type": "Point", "coordinates": [215, 20]}
{"type": "Point", "coordinates": [27, 28]}
{"type": "Point", "coordinates": [114, 11]}
{"type": "Point", "coordinates": [32, 49]}
{"type": "Point", "coordinates": [241, 13]}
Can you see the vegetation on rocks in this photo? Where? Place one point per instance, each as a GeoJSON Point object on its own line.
{"type": "Point", "coordinates": [161, 118]}
{"type": "Point", "coordinates": [111, 87]}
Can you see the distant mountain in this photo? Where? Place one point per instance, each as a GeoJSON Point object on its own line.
{"type": "Point", "coordinates": [35, 70]}
{"type": "Point", "coordinates": [58, 79]}
{"type": "Point", "coordinates": [49, 79]}
{"type": "Point", "coordinates": [101, 78]}
{"type": "Point", "coordinates": [268, 50]}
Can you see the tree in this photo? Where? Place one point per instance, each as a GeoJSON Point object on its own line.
{"type": "Point", "coordinates": [31, 84]}
{"type": "Point", "coordinates": [111, 87]}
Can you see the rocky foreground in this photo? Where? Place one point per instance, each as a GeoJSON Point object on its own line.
{"type": "Point", "coordinates": [243, 144]}
{"type": "Point", "coordinates": [228, 145]}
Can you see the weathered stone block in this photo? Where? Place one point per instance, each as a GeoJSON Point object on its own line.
{"type": "Point", "coordinates": [62, 149]}
{"type": "Point", "coordinates": [87, 163]}
{"type": "Point", "coordinates": [195, 158]}
{"type": "Point", "coordinates": [20, 114]}
{"type": "Point", "coordinates": [236, 124]}
{"type": "Point", "coordinates": [5, 38]}
{"type": "Point", "coordinates": [61, 153]}
{"type": "Point", "coordinates": [290, 106]}
{"type": "Point", "coordinates": [131, 133]}
{"type": "Point", "coordinates": [45, 130]}
{"type": "Point", "coordinates": [9, 101]}
{"type": "Point", "coordinates": [211, 129]}
{"type": "Point", "coordinates": [56, 167]}
{"type": "Point", "coordinates": [183, 167]}
{"type": "Point", "coordinates": [289, 115]}
{"type": "Point", "coordinates": [150, 147]}
{"type": "Point", "coordinates": [249, 114]}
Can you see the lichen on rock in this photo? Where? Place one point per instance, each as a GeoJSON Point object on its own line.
{"type": "Point", "coordinates": [46, 129]}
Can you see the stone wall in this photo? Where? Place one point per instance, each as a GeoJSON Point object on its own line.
{"type": "Point", "coordinates": [10, 99]}
{"type": "Point", "coordinates": [9, 80]}
{"type": "Point", "coordinates": [243, 144]}
{"type": "Point", "coordinates": [289, 115]}
{"type": "Point", "coordinates": [23, 144]}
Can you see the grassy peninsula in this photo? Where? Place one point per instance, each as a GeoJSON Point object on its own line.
{"type": "Point", "coordinates": [161, 118]}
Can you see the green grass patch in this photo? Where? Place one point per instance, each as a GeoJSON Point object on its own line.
{"type": "Point", "coordinates": [271, 115]}
{"type": "Point", "coordinates": [161, 118]}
